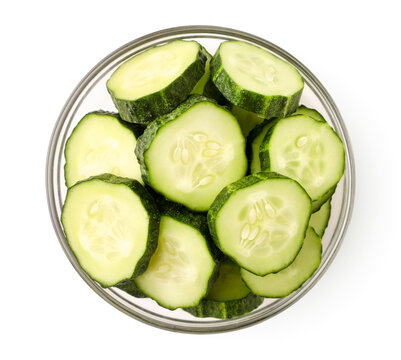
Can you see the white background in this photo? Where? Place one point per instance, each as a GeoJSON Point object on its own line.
{"type": "Point", "coordinates": [48, 312]}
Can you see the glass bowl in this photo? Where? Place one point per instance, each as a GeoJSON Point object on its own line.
{"type": "Point", "coordinates": [91, 94]}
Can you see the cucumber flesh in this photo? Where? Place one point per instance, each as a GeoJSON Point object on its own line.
{"type": "Point", "coordinates": [180, 271]}
{"type": "Point", "coordinates": [260, 221]}
{"type": "Point", "coordinates": [307, 151]}
{"type": "Point", "coordinates": [152, 70]}
{"type": "Point", "coordinates": [291, 278]}
{"type": "Point", "coordinates": [257, 70]}
{"type": "Point", "coordinates": [111, 225]}
{"type": "Point", "coordinates": [320, 219]}
{"type": "Point", "coordinates": [157, 80]}
{"type": "Point", "coordinates": [192, 153]}
{"type": "Point", "coordinates": [256, 80]}
{"type": "Point", "coordinates": [229, 296]}
{"type": "Point", "coordinates": [101, 143]}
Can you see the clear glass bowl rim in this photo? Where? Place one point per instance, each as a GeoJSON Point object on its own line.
{"type": "Point", "coordinates": [348, 192]}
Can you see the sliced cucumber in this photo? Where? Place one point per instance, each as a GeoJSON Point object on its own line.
{"type": "Point", "coordinates": [111, 225]}
{"type": "Point", "coordinates": [157, 80]}
{"type": "Point", "coordinates": [254, 140]}
{"type": "Point", "coordinates": [247, 120]}
{"type": "Point", "coordinates": [314, 114]}
{"type": "Point", "coordinates": [200, 85]}
{"type": "Point", "coordinates": [319, 220]}
{"type": "Point", "coordinates": [256, 136]}
{"type": "Point", "coordinates": [291, 278]}
{"type": "Point", "coordinates": [101, 143]}
{"type": "Point", "coordinates": [260, 221]}
{"type": "Point", "coordinates": [190, 154]}
{"type": "Point", "coordinates": [229, 296]}
{"type": "Point", "coordinates": [183, 268]}
{"type": "Point", "coordinates": [256, 80]}
{"type": "Point", "coordinates": [306, 150]}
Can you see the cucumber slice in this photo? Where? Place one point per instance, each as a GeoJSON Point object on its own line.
{"type": "Point", "coordinates": [260, 221]}
{"type": "Point", "coordinates": [229, 296]}
{"type": "Point", "coordinates": [111, 225]}
{"type": "Point", "coordinates": [306, 150]}
{"type": "Point", "coordinates": [319, 220]}
{"type": "Point", "coordinates": [254, 141]}
{"type": "Point", "coordinates": [183, 268]}
{"type": "Point", "coordinates": [157, 80]}
{"type": "Point", "coordinates": [200, 85]}
{"type": "Point", "coordinates": [190, 154]}
{"type": "Point", "coordinates": [256, 80]}
{"type": "Point", "coordinates": [101, 143]}
{"type": "Point", "coordinates": [314, 114]}
{"type": "Point", "coordinates": [247, 120]}
{"type": "Point", "coordinates": [291, 278]}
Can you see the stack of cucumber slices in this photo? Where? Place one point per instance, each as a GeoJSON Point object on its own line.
{"type": "Point", "coordinates": [210, 188]}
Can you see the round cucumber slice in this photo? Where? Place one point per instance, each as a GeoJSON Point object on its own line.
{"type": "Point", "coordinates": [256, 80]}
{"type": "Point", "coordinates": [190, 154]}
{"type": "Point", "coordinates": [260, 221]}
{"type": "Point", "coordinates": [307, 151]}
{"type": "Point", "coordinates": [229, 296]}
{"type": "Point", "coordinates": [101, 143]}
{"type": "Point", "coordinates": [111, 225]}
{"type": "Point", "coordinates": [183, 268]}
{"type": "Point", "coordinates": [155, 81]}
{"type": "Point", "coordinates": [291, 278]}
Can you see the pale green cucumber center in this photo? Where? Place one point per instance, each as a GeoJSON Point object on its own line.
{"type": "Point", "coordinates": [293, 276]}
{"type": "Point", "coordinates": [179, 270]}
{"type": "Point", "coordinates": [257, 70]}
{"type": "Point", "coordinates": [229, 284]}
{"type": "Point", "coordinates": [171, 263]}
{"type": "Point", "coordinates": [262, 226]}
{"type": "Point", "coordinates": [102, 233]}
{"type": "Point", "coordinates": [152, 70]}
{"type": "Point", "coordinates": [193, 157]}
{"type": "Point", "coordinates": [98, 145]}
{"type": "Point", "coordinates": [106, 226]}
{"type": "Point", "coordinates": [307, 151]}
